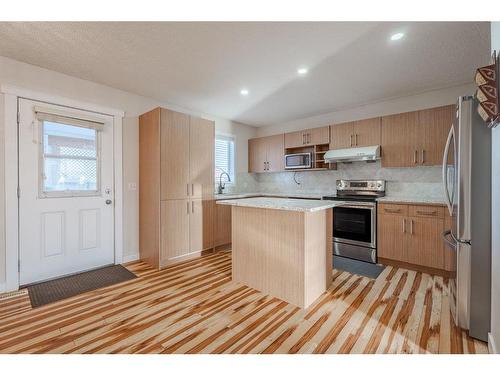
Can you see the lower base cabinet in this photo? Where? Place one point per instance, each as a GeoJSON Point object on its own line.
{"type": "Point", "coordinates": [412, 234]}
{"type": "Point", "coordinates": [186, 229]}
{"type": "Point", "coordinates": [222, 225]}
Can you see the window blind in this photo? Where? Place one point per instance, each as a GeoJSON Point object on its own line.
{"type": "Point", "coordinates": [224, 157]}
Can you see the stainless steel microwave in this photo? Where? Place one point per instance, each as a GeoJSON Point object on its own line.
{"type": "Point", "coordinates": [298, 161]}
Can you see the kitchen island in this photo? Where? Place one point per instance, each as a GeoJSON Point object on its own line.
{"type": "Point", "coordinates": [282, 247]}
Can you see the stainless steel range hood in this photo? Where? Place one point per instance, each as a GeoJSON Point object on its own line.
{"type": "Point", "coordinates": [348, 155]}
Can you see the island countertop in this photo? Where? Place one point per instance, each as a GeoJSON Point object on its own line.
{"type": "Point", "coordinates": [302, 205]}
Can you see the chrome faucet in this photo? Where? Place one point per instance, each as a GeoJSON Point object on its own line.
{"type": "Point", "coordinates": [221, 187]}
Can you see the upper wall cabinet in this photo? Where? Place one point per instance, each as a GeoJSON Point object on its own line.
{"type": "Point", "coordinates": [309, 137]}
{"type": "Point", "coordinates": [415, 138]}
{"type": "Point", "coordinates": [433, 127]}
{"type": "Point", "coordinates": [187, 156]}
{"type": "Point", "coordinates": [398, 139]}
{"type": "Point", "coordinates": [355, 134]}
{"type": "Point", "coordinates": [266, 154]}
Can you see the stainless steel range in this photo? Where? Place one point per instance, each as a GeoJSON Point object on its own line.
{"type": "Point", "coordinates": [355, 220]}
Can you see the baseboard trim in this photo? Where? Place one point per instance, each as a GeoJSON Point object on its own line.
{"type": "Point", "coordinates": [414, 267]}
{"type": "Point", "coordinates": [130, 258]}
{"type": "Point", "coordinates": [492, 348]}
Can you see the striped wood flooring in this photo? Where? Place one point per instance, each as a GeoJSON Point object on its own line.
{"type": "Point", "coordinates": [194, 307]}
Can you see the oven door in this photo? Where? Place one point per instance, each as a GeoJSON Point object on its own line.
{"type": "Point", "coordinates": [354, 224]}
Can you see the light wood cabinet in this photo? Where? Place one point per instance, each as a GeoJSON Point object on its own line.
{"type": "Point", "coordinates": [294, 139]}
{"type": "Point", "coordinates": [266, 154]}
{"type": "Point", "coordinates": [208, 207]}
{"type": "Point", "coordinates": [341, 136]}
{"type": "Point", "coordinates": [174, 152]}
{"type": "Point", "coordinates": [222, 225]}
{"type": "Point", "coordinates": [424, 242]}
{"type": "Point", "coordinates": [308, 137]}
{"type": "Point", "coordinates": [176, 178]}
{"type": "Point", "coordinates": [391, 237]}
{"type": "Point", "coordinates": [174, 229]}
{"type": "Point", "coordinates": [367, 132]}
{"type": "Point", "coordinates": [416, 138]}
{"type": "Point", "coordinates": [411, 234]}
{"type": "Point", "coordinates": [398, 140]}
{"type": "Point", "coordinates": [355, 134]}
{"type": "Point", "coordinates": [257, 155]}
{"type": "Point", "coordinates": [433, 127]}
{"type": "Point", "coordinates": [201, 157]}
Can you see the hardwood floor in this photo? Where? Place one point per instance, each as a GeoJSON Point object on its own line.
{"type": "Point", "coordinates": [194, 307]}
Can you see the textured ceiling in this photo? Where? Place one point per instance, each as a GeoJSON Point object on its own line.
{"type": "Point", "coordinates": [203, 66]}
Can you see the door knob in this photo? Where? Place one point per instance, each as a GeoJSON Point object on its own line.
{"type": "Point", "coordinates": [108, 201]}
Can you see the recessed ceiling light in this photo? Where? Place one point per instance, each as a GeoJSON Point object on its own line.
{"type": "Point", "coordinates": [244, 92]}
{"type": "Point", "coordinates": [302, 71]}
{"type": "Point", "coordinates": [397, 36]}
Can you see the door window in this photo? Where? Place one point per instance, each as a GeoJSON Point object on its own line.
{"type": "Point", "coordinates": [69, 160]}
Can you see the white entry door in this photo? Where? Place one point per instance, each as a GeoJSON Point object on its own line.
{"type": "Point", "coordinates": [66, 191]}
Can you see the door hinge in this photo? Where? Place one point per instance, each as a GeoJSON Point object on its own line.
{"type": "Point", "coordinates": [18, 192]}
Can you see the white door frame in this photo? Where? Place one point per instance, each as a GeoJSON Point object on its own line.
{"type": "Point", "coordinates": [11, 96]}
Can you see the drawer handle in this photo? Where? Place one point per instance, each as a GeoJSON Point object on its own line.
{"type": "Point", "coordinates": [428, 213]}
{"type": "Point", "coordinates": [392, 210]}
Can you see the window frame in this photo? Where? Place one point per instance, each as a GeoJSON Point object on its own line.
{"type": "Point", "coordinates": [42, 194]}
{"type": "Point", "coordinates": [227, 137]}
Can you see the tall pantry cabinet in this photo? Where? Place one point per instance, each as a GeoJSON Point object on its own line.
{"type": "Point", "coordinates": [176, 183]}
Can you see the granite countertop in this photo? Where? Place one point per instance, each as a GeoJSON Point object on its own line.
{"type": "Point", "coordinates": [423, 199]}
{"type": "Point", "coordinates": [412, 199]}
{"type": "Point", "coordinates": [305, 195]}
{"type": "Point", "coordinates": [303, 205]}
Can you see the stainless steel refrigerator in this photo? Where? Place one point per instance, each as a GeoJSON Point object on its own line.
{"type": "Point", "coordinates": [467, 185]}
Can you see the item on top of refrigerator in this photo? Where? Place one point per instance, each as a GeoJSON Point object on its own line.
{"type": "Point", "coordinates": [487, 110]}
{"type": "Point", "coordinates": [487, 92]}
{"type": "Point", "coordinates": [485, 75]}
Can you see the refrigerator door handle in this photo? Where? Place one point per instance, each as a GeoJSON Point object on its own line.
{"type": "Point", "coordinates": [459, 240]}
{"type": "Point", "coordinates": [449, 203]}
{"type": "Point", "coordinates": [449, 241]}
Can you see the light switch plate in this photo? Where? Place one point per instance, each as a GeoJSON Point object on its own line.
{"type": "Point", "coordinates": [132, 186]}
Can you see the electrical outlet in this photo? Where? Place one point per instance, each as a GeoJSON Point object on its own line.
{"type": "Point", "coordinates": [132, 186]}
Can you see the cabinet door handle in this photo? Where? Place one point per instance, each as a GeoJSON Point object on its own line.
{"type": "Point", "coordinates": [404, 225]}
{"type": "Point", "coordinates": [356, 139]}
{"type": "Point", "coordinates": [423, 156]}
{"type": "Point", "coordinates": [187, 204]}
{"type": "Point", "coordinates": [192, 189]}
{"type": "Point", "coordinates": [350, 140]}
{"type": "Point", "coordinates": [187, 189]}
{"type": "Point", "coordinates": [267, 165]}
{"type": "Point", "coordinates": [411, 226]}
{"type": "Point", "coordinates": [428, 213]}
{"type": "Point", "coordinates": [415, 157]}
{"type": "Point", "coordinates": [308, 138]}
{"type": "Point", "coordinates": [192, 207]}
{"type": "Point", "coordinates": [392, 210]}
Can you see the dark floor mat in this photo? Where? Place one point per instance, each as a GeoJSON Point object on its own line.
{"type": "Point", "coordinates": [358, 267]}
{"type": "Point", "coordinates": [69, 286]}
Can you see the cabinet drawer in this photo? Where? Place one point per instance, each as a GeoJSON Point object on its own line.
{"type": "Point", "coordinates": [426, 211]}
{"type": "Point", "coordinates": [393, 209]}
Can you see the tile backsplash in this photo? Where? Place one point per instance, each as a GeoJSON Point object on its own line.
{"type": "Point", "coordinates": [401, 182]}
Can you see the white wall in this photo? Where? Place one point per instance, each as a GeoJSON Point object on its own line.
{"type": "Point", "coordinates": [494, 339]}
{"type": "Point", "coordinates": [57, 84]}
{"type": "Point", "coordinates": [424, 100]}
